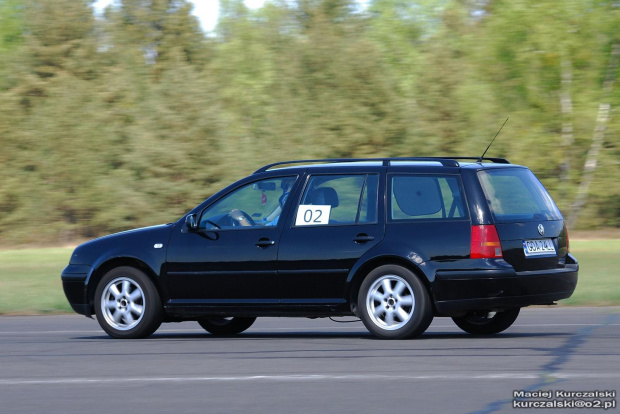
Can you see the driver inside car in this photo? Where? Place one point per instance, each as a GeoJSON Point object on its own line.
{"type": "Point", "coordinates": [240, 219]}
{"type": "Point", "coordinates": [286, 186]}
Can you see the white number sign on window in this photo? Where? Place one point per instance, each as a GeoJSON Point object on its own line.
{"type": "Point", "coordinates": [309, 215]}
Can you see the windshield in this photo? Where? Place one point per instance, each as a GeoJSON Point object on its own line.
{"type": "Point", "coordinates": [515, 194]}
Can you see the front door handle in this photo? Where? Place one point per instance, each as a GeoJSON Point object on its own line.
{"type": "Point", "coordinates": [363, 238]}
{"type": "Point", "coordinates": [265, 242]}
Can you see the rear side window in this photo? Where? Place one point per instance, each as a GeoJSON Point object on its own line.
{"type": "Point", "coordinates": [423, 197]}
{"type": "Point", "coordinates": [339, 200]}
{"type": "Point", "coordinates": [515, 194]}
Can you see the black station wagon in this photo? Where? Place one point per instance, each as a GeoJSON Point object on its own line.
{"type": "Point", "coordinates": [393, 241]}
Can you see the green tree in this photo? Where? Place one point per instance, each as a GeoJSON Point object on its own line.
{"type": "Point", "coordinates": [533, 47]}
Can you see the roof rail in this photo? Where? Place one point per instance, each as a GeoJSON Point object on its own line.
{"type": "Point", "coordinates": [492, 159]}
{"type": "Point", "coordinates": [445, 161]}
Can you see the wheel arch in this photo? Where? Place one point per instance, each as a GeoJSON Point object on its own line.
{"type": "Point", "coordinates": [113, 263]}
{"type": "Point", "coordinates": [359, 275]}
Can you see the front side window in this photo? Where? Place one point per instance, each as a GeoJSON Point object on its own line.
{"type": "Point", "coordinates": [515, 194]}
{"type": "Point", "coordinates": [256, 204]}
{"type": "Point", "coordinates": [426, 197]}
{"type": "Point", "coordinates": [338, 200]}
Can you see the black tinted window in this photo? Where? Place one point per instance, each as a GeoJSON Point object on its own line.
{"type": "Point", "coordinates": [515, 194]}
{"type": "Point", "coordinates": [415, 197]}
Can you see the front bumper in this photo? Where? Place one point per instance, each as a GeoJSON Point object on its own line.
{"type": "Point", "coordinates": [74, 279]}
{"type": "Point", "coordinates": [458, 292]}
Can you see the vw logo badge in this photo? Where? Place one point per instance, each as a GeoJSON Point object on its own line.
{"type": "Point", "coordinates": [541, 229]}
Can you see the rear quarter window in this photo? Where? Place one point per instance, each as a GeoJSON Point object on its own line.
{"type": "Point", "coordinates": [515, 194]}
{"type": "Point", "coordinates": [426, 197]}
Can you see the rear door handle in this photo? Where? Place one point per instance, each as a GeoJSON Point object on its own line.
{"type": "Point", "coordinates": [363, 238]}
{"type": "Point", "coordinates": [265, 242]}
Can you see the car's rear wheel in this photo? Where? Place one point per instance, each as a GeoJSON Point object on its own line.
{"type": "Point", "coordinates": [127, 304]}
{"type": "Point", "coordinates": [393, 303]}
{"type": "Point", "coordinates": [487, 323]}
{"type": "Point", "coordinates": [226, 326]}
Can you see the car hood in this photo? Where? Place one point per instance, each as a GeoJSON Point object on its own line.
{"type": "Point", "coordinates": [130, 243]}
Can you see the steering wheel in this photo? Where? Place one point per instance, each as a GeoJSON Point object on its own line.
{"type": "Point", "coordinates": [239, 216]}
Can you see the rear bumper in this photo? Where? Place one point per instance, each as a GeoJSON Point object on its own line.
{"type": "Point", "coordinates": [457, 292]}
{"type": "Point", "coordinates": [74, 285]}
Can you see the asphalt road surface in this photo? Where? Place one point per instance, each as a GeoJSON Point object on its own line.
{"type": "Point", "coordinates": [66, 364]}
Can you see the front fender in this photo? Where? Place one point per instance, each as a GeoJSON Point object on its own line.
{"type": "Point", "coordinates": [154, 262]}
{"type": "Point", "coordinates": [145, 248]}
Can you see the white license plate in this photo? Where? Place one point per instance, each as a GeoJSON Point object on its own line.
{"type": "Point", "coordinates": [538, 247]}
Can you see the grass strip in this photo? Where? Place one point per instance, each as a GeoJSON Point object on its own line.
{"type": "Point", "coordinates": [30, 281]}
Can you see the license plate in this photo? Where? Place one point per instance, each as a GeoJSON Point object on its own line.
{"type": "Point", "coordinates": [538, 247]}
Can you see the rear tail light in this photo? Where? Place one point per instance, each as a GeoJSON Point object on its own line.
{"type": "Point", "coordinates": [485, 242]}
{"type": "Point", "coordinates": [566, 237]}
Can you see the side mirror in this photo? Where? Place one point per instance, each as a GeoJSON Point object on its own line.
{"type": "Point", "coordinates": [191, 221]}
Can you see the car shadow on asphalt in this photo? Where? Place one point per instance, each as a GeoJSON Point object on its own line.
{"type": "Point", "coordinates": [327, 335]}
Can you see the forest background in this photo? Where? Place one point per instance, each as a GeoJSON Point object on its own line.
{"type": "Point", "coordinates": [132, 118]}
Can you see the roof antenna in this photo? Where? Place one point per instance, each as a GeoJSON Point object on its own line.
{"type": "Point", "coordinates": [485, 151]}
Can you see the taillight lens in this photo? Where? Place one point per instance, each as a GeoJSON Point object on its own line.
{"type": "Point", "coordinates": [485, 242]}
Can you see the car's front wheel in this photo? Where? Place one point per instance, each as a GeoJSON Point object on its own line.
{"type": "Point", "coordinates": [487, 323]}
{"type": "Point", "coordinates": [127, 304]}
{"type": "Point", "coordinates": [393, 303]}
{"type": "Point", "coordinates": [226, 326]}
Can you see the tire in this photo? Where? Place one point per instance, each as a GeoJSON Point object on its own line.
{"type": "Point", "coordinates": [127, 304]}
{"type": "Point", "coordinates": [487, 323]}
{"type": "Point", "coordinates": [393, 303]}
{"type": "Point", "coordinates": [225, 326]}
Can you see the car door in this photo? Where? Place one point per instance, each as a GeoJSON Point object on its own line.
{"type": "Point", "coordinates": [336, 221]}
{"type": "Point", "coordinates": [230, 256]}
